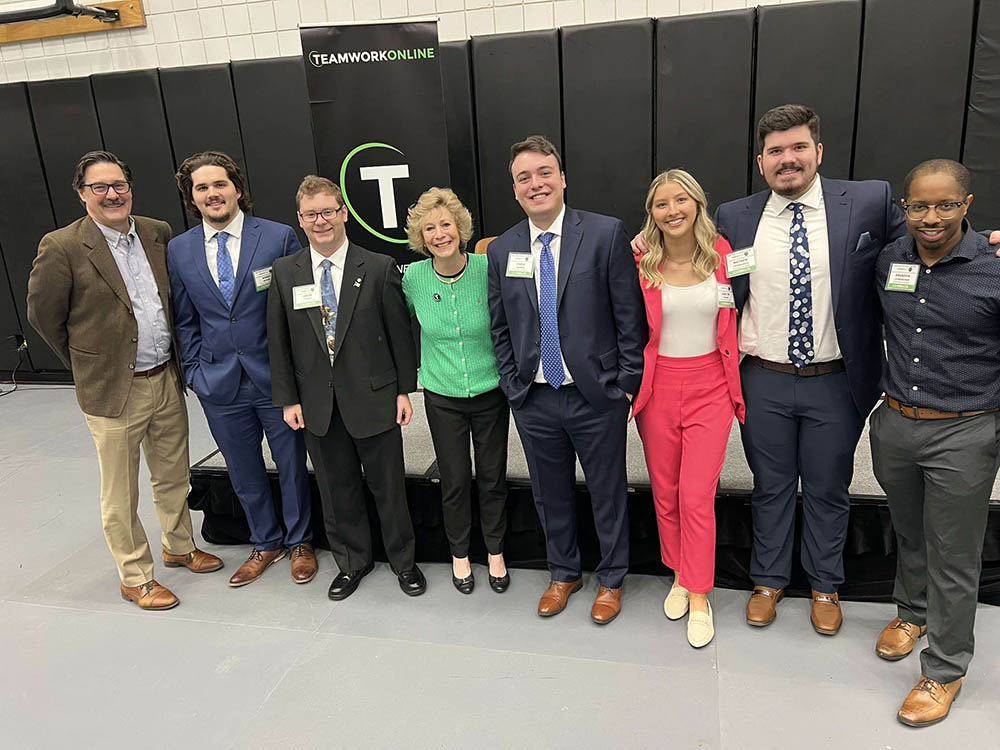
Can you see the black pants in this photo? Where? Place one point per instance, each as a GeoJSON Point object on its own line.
{"type": "Point", "coordinates": [451, 420]}
{"type": "Point", "coordinates": [337, 459]}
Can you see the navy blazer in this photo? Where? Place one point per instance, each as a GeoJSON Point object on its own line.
{"type": "Point", "coordinates": [602, 318]}
{"type": "Point", "coordinates": [861, 218]}
{"type": "Point", "coordinates": [216, 342]}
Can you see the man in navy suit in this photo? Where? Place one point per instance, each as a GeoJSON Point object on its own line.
{"type": "Point", "coordinates": [569, 327]}
{"type": "Point", "coordinates": [220, 271]}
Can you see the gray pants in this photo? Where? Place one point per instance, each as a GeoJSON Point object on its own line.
{"type": "Point", "coordinates": [938, 475]}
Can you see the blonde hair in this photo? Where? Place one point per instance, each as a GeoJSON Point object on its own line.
{"type": "Point", "coordinates": [431, 200]}
{"type": "Point", "coordinates": [705, 259]}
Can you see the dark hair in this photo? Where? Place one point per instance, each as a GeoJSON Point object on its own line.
{"type": "Point", "coordinates": [786, 117]}
{"type": "Point", "coordinates": [538, 144]}
{"type": "Point", "coordinates": [211, 159]}
{"type": "Point", "coordinates": [91, 158]}
{"type": "Point", "coordinates": [940, 166]}
{"type": "Point", "coordinates": [314, 185]}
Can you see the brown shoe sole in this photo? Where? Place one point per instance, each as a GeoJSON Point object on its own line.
{"type": "Point", "coordinates": [605, 622]}
{"type": "Point", "coordinates": [128, 598]}
{"type": "Point", "coordinates": [251, 580]}
{"type": "Point", "coordinates": [220, 566]}
{"type": "Point", "coordinates": [579, 585]}
{"type": "Point", "coordinates": [305, 580]}
{"type": "Point", "coordinates": [823, 631]}
{"type": "Point", "coordinates": [932, 722]}
{"type": "Point", "coordinates": [755, 624]}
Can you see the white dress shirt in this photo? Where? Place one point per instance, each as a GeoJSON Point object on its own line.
{"type": "Point", "coordinates": [536, 255]}
{"type": "Point", "coordinates": [235, 230]}
{"type": "Point", "coordinates": [336, 269]}
{"type": "Point", "coordinates": [764, 327]}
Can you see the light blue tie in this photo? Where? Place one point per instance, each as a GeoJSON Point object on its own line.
{"type": "Point", "coordinates": [227, 280]}
{"type": "Point", "coordinates": [801, 348]}
{"type": "Point", "coordinates": [548, 318]}
{"type": "Point", "coordinates": [329, 295]}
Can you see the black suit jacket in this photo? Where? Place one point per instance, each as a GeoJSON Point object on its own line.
{"type": "Point", "coordinates": [374, 360]}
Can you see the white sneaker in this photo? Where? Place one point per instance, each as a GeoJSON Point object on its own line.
{"type": "Point", "coordinates": [675, 606]}
{"type": "Point", "coordinates": [701, 629]}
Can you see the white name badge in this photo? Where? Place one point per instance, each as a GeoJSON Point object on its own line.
{"type": "Point", "coordinates": [520, 265]}
{"type": "Point", "coordinates": [726, 298]}
{"type": "Point", "coordinates": [306, 296]}
{"type": "Point", "coordinates": [262, 278]}
{"type": "Point", "coordinates": [902, 277]}
{"type": "Point", "coordinates": [741, 262]}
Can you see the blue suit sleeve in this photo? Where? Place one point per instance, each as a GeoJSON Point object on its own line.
{"type": "Point", "coordinates": [629, 311]}
{"type": "Point", "coordinates": [291, 244]}
{"type": "Point", "coordinates": [187, 322]}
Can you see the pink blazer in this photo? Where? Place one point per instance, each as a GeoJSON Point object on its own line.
{"type": "Point", "coordinates": [725, 337]}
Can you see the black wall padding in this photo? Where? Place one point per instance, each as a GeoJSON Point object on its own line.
{"type": "Point", "coordinates": [607, 75]}
{"type": "Point", "coordinates": [517, 94]}
{"type": "Point", "coordinates": [703, 99]}
{"type": "Point", "coordinates": [67, 127]}
{"type": "Point", "coordinates": [25, 215]}
{"type": "Point", "coordinates": [201, 112]}
{"type": "Point", "coordinates": [914, 75]}
{"type": "Point", "coordinates": [807, 54]}
{"type": "Point", "coordinates": [456, 87]}
{"type": "Point", "coordinates": [134, 125]}
{"type": "Point", "coordinates": [9, 324]}
{"type": "Point", "coordinates": [982, 130]}
{"type": "Point", "coordinates": [273, 107]}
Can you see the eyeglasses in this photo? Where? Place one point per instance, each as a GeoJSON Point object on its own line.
{"type": "Point", "coordinates": [945, 210]}
{"type": "Point", "coordinates": [101, 188]}
{"type": "Point", "coordinates": [313, 216]}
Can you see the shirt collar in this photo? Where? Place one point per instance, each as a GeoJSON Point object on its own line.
{"type": "Point", "coordinates": [555, 228]}
{"type": "Point", "coordinates": [812, 198]}
{"type": "Point", "coordinates": [113, 236]}
{"type": "Point", "coordinates": [337, 259]}
{"type": "Point", "coordinates": [233, 229]}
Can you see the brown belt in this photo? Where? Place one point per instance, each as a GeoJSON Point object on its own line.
{"type": "Point", "coordinates": [155, 371]}
{"type": "Point", "coordinates": [809, 371]}
{"type": "Point", "coordinates": [922, 412]}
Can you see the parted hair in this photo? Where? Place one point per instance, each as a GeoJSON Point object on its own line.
{"type": "Point", "coordinates": [705, 259]}
{"type": "Point", "coordinates": [97, 157]}
{"type": "Point", "coordinates": [539, 144]}
{"type": "Point", "coordinates": [786, 117]}
{"type": "Point", "coordinates": [211, 159]}
{"type": "Point", "coordinates": [433, 199]}
{"type": "Point", "coordinates": [314, 185]}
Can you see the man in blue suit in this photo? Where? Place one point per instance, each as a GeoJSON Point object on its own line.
{"type": "Point", "coordinates": [220, 271]}
{"type": "Point", "coordinates": [569, 327]}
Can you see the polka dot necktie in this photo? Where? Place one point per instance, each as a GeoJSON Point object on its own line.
{"type": "Point", "coordinates": [329, 297]}
{"type": "Point", "coordinates": [548, 319]}
{"type": "Point", "coordinates": [800, 314]}
{"type": "Point", "coordinates": [224, 264]}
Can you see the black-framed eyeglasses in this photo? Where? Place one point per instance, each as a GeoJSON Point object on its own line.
{"type": "Point", "coordinates": [101, 188]}
{"type": "Point", "coordinates": [945, 209]}
{"type": "Point", "coordinates": [313, 216]}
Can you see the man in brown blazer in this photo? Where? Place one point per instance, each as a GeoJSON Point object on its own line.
{"type": "Point", "coordinates": [99, 296]}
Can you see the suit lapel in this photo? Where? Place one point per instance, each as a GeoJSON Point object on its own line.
{"type": "Point", "coordinates": [568, 245]}
{"type": "Point", "coordinates": [744, 235]}
{"type": "Point", "coordinates": [523, 245]}
{"type": "Point", "coordinates": [654, 310]}
{"type": "Point", "coordinates": [304, 275]}
{"type": "Point", "coordinates": [248, 246]}
{"type": "Point", "coordinates": [838, 219]}
{"type": "Point", "coordinates": [104, 262]}
{"type": "Point", "coordinates": [350, 288]}
{"type": "Point", "coordinates": [200, 260]}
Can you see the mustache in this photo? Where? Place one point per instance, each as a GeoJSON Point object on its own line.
{"type": "Point", "coordinates": [114, 203]}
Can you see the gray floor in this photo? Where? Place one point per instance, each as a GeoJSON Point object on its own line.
{"type": "Point", "coordinates": [279, 665]}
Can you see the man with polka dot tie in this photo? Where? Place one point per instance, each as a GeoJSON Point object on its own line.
{"type": "Point", "coordinates": [569, 327]}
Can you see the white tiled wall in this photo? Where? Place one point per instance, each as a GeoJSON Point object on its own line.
{"type": "Point", "coordinates": [190, 32]}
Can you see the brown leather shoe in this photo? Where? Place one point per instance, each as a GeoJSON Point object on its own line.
{"type": "Point", "coordinates": [150, 595]}
{"type": "Point", "coordinates": [826, 616]}
{"type": "Point", "coordinates": [897, 639]}
{"type": "Point", "coordinates": [303, 563]}
{"type": "Point", "coordinates": [929, 702]}
{"type": "Point", "coordinates": [254, 567]}
{"type": "Point", "coordinates": [607, 605]}
{"type": "Point", "coordinates": [761, 606]}
{"type": "Point", "coordinates": [196, 561]}
{"type": "Point", "coordinates": [554, 599]}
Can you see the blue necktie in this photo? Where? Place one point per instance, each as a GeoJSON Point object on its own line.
{"type": "Point", "coordinates": [329, 295]}
{"type": "Point", "coordinates": [227, 280]}
{"type": "Point", "coordinates": [548, 319]}
{"type": "Point", "coordinates": [800, 313]}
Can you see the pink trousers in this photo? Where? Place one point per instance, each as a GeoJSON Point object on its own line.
{"type": "Point", "coordinates": [684, 427]}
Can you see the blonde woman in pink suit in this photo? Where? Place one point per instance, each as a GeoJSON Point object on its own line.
{"type": "Point", "coordinates": [690, 386]}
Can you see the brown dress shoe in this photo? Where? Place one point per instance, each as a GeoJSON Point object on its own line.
{"type": "Point", "coordinates": [607, 605]}
{"type": "Point", "coordinates": [826, 615]}
{"type": "Point", "coordinates": [929, 702]}
{"type": "Point", "coordinates": [254, 567]}
{"type": "Point", "coordinates": [761, 606]}
{"type": "Point", "coordinates": [196, 561]}
{"type": "Point", "coordinates": [554, 599]}
{"type": "Point", "coordinates": [303, 563]}
{"type": "Point", "coordinates": [150, 595]}
{"type": "Point", "coordinates": [897, 639]}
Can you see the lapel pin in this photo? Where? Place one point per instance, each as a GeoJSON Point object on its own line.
{"type": "Point", "coordinates": [437, 297]}
{"type": "Point", "coordinates": [357, 283]}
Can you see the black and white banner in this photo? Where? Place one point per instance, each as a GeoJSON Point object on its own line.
{"type": "Point", "coordinates": [378, 122]}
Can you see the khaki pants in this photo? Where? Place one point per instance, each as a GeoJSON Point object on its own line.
{"type": "Point", "coordinates": [155, 418]}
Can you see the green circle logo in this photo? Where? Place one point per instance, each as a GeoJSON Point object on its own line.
{"type": "Point", "coordinates": [347, 201]}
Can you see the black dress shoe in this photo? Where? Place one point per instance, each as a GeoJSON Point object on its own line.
{"type": "Point", "coordinates": [412, 581]}
{"type": "Point", "coordinates": [347, 581]}
{"type": "Point", "coordinates": [500, 584]}
{"type": "Point", "coordinates": [464, 585]}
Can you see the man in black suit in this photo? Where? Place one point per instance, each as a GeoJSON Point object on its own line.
{"type": "Point", "coordinates": [342, 364]}
{"type": "Point", "coordinates": [569, 327]}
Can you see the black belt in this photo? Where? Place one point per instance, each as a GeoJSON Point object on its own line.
{"type": "Point", "coordinates": [809, 371]}
{"type": "Point", "coordinates": [155, 371]}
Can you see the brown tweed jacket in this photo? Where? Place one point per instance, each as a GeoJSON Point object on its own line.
{"type": "Point", "coordinates": [78, 303]}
